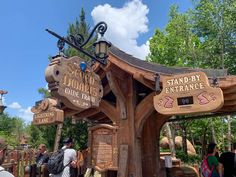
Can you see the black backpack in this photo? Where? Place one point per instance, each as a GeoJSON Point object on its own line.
{"type": "Point", "coordinates": [55, 163]}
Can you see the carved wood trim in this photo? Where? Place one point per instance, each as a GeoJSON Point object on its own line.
{"type": "Point", "coordinates": [144, 109]}
{"type": "Point", "coordinates": [118, 93]}
{"type": "Point", "coordinates": [109, 110]}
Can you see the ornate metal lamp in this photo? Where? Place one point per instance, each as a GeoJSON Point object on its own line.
{"type": "Point", "coordinates": [77, 42]}
{"type": "Point", "coordinates": [2, 107]}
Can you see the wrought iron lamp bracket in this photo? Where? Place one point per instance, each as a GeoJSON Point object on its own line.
{"type": "Point", "coordinates": [78, 41]}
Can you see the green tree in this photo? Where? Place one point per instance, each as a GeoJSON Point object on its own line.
{"type": "Point", "coordinates": [214, 23]}
{"type": "Point", "coordinates": [78, 131]}
{"type": "Point", "coordinates": [176, 45]}
{"type": "Point", "coordinates": [80, 27]}
{"type": "Point", "coordinates": [12, 129]}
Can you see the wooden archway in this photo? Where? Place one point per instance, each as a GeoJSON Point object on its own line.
{"type": "Point", "coordinates": [127, 102]}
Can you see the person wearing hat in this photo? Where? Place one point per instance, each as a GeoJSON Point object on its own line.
{"type": "Point", "coordinates": [3, 149]}
{"type": "Point", "coordinates": [70, 158]}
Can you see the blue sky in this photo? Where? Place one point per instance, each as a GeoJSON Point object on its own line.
{"type": "Point", "coordinates": [25, 45]}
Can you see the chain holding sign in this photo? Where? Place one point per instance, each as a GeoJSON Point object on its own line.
{"type": "Point", "coordinates": [187, 94]}
{"type": "Point", "coordinates": [78, 88]}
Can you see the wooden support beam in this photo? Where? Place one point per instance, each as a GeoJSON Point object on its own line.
{"type": "Point", "coordinates": [227, 109]}
{"type": "Point", "coordinates": [123, 160]}
{"type": "Point", "coordinates": [230, 103]}
{"type": "Point", "coordinates": [229, 90]}
{"type": "Point", "coordinates": [58, 137]}
{"type": "Point", "coordinates": [143, 111]}
{"type": "Point", "coordinates": [109, 110]}
{"type": "Point", "coordinates": [113, 83]}
{"type": "Point", "coordinates": [87, 113]}
{"type": "Point", "coordinates": [106, 90]}
{"type": "Point", "coordinates": [70, 112]}
{"type": "Point", "coordinates": [140, 77]}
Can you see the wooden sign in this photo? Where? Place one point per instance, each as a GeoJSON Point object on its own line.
{"type": "Point", "coordinates": [45, 112]}
{"type": "Point", "coordinates": [76, 88]}
{"type": "Point", "coordinates": [103, 147]}
{"type": "Point", "coordinates": [187, 94]}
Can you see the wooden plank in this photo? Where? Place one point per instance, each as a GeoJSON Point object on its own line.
{"type": "Point", "coordinates": [87, 113]}
{"type": "Point", "coordinates": [118, 93]}
{"type": "Point", "coordinates": [231, 96]}
{"type": "Point", "coordinates": [58, 136]}
{"type": "Point", "coordinates": [109, 110]}
{"type": "Point", "coordinates": [106, 89]}
{"type": "Point", "coordinates": [123, 160]}
{"type": "Point", "coordinates": [131, 69]}
{"type": "Point", "coordinates": [229, 90]}
{"type": "Point", "coordinates": [230, 103]}
{"type": "Point", "coordinates": [140, 77]}
{"type": "Point", "coordinates": [143, 111]}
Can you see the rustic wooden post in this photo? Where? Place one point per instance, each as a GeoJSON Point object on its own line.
{"type": "Point", "coordinates": [58, 136]}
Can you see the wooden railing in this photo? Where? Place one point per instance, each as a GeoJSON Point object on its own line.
{"type": "Point", "coordinates": [21, 163]}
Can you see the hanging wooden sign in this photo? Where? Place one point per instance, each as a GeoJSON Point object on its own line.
{"type": "Point", "coordinates": [45, 112]}
{"type": "Point", "coordinates": [103, 147]}
{"type": "Point", "coordinates": [188, 94]}
{"type": "Point", "coordinates": [76, 88]}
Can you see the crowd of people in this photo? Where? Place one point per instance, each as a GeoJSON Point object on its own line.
{"type": "Point", "coordinates": [223, 165]}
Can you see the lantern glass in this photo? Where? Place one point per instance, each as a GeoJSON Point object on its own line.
{"type": "Point", "coordinates": [97, 48]}
{"type": "Point", "coordinates": [103, 47]}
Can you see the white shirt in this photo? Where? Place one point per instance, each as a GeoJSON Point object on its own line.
{"type": "Point", "coordinates": [4, 173]}
{"type": "Point", "coordinates": [69, 156]}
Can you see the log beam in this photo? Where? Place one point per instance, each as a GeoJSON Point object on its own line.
{"type": "Point", "coordinates": [143, 111]}
{"type": "Point", "coordinates": [109, 110]}
{"type": "Point", "coordinates": [118, 93]}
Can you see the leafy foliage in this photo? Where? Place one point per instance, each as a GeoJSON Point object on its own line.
{"type": "Point", "coordinates": [12, 129]}
{"type": "Point", "coordinates": [78, 131]}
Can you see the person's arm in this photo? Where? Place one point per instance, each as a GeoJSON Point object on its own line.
{"type": "Point", "coordinates": [74, 160]}
{"type": "Point", "coordinates": [220, 169]}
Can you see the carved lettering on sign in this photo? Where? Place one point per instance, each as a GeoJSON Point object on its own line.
{"type": "Point", "coordinates": [76, 88]}
{"type": "Point", "coordinates": [46, 112]}
{"type": "Point", "coordinates": [187, 93]}
{"type": "Point", "coordinates": [103, 147]}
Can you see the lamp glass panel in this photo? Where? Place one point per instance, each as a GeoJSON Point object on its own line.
{"type": "Point", "coordinates": [97, 49]}
{"type": "Point", "coordinates": [103, 47]}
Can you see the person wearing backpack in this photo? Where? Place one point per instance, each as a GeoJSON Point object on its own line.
{"type": "Point", "coordinates": [212, 160]}
{"type": "Point", "coordinates": [3, 148]}
{"type": "Point", "coordinates": [69, 160]}
{"type": "Point", "coordinates": [227, 163]}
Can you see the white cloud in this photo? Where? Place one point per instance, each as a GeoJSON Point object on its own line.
{"type": "Point", "coordinates": [125, 25]}
{"type": "Point", "coordinates": [19, 111]}
{"type": "Point", "coordinates": [14, 105]}
{"type": "Point", "coordinates": [26, 114]}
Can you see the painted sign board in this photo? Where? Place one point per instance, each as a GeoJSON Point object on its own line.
{"type": "Point", "coordinates": [45, 112]}
{"type": "Point", "coordinates": [188, 94]}
{"type": "Point", "coordinates": [76, 88]}
{"type": "Point", "coordinates": [103, 147]}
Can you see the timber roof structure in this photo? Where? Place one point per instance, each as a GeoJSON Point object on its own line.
{"type": "Point", "coordinates": [120, 65]}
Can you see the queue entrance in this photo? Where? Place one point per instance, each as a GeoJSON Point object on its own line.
{"type": "Point", "coordinates": [128, 101]}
